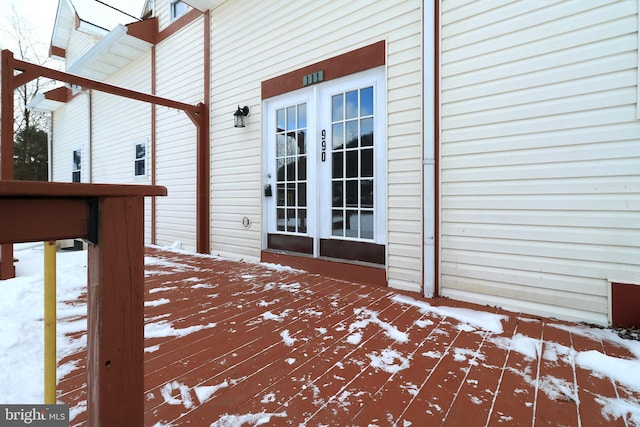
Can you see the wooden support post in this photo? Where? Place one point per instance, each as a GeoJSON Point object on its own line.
{"type": "Point", "coordinates": [7, 270]}
{"type": "Point", "coordinates": [115, 313]}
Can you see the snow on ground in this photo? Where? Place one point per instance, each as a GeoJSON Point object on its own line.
{"type": "Point", "coordinates": [21, 338]}
{"type": "Point", "coordinates": [22, 326]}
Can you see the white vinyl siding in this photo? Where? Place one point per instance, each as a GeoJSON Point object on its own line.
{"type": "Point", "coordinates": [120, 122]}
{"type": "Point", "coordinates": [71, 132]}
{"type": "Point", "coordinates": [180, 62]}
{"type": "Point", "coordinates": [290, 35]}
{"type": "Point", "coordinates": [540, 147]}
{"type": "Point", "coordinates": [79, 44]}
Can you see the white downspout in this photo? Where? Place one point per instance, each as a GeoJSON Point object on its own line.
{"type": "Point", "coordinates": [428, 23]}
{"type": "Point", "coordinates": [87, 163]}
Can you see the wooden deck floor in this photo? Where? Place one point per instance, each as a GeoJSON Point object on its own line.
{"type": "Point", "coordinates": [231, 344]}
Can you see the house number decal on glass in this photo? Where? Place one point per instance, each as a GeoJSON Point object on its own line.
{"type": "Point", "coordinates": [324, 146]}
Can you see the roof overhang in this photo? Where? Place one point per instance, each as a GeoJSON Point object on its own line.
{"type": "Point", "coordinates": [204, 5]}
{"type": "Point", "coordinates": [50, 100]}
{"type": "Point", "coordinates": [121, 46]}
{"type": "Point", "coordinates": [65, 20]}
{"type": "Point", "coordinates": [87, 16]}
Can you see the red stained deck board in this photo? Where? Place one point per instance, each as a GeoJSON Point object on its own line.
{"type": "Point", "coordinates": [516, 395]}
{"type": "Point", "coordinates": [592, 386]}
{"type": "Point", "coordinates": [242, 366]}
{"type": "Point", "coordinates": [473, 401]}
{"type": "Point", "coordinates": [392, 398]}
{"type": "Point", "coordinates": [557, 394]}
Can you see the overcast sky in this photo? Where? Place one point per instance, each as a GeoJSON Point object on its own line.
{"type": "Point", "coordinates": [38, 15]}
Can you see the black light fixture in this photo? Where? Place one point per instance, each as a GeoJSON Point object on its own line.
{"type": "Point", "coordinates": [239, 115]}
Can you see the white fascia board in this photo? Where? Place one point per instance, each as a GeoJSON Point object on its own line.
{"type": "Point", "coordinates": [91, 29]}
{"type": "Point", "coordinates": [65, 15]}
{"type": "Point", "coordinates": [42, 104]}
{"type": "Point", "coordinates": [98, 50]}
{"type": "Point", "coordinates": [204, 5]}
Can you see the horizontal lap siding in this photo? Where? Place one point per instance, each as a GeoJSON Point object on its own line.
{"type": "Point", "coordinates": [118, 124]}
{"type": "Point", "coordinates": [180, 61]}
{"type": "Point", "coordinates": [286, 36]}
{"type": "Point", "coordinates": [71, 132]}
{"type": "Point", "coordinates": [540, 154]}
{"type": "Point", "coordinates": [79, 44]}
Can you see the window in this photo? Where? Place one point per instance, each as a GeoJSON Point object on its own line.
{"type": "Point", "coordinates": [352, 161]}
{"type": "Point", "coordinates": [291, 167]}
{"type": "Point", "coordinates": [178, 8]}
{"type": "Point", "coordinates": [76, 169]}
{"type": "Point", "coordinates": [140, 160]}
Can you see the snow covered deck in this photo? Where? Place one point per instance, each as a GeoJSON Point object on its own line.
{"type": "Point", "coordinates": [231, 343]}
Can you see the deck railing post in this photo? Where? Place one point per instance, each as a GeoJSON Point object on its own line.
{"type": "Point", "coordinates": [115, 376]}
{"type": "Point", "coordinates": [7, 270]}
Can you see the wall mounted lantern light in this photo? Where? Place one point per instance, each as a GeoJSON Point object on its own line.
{"type": "Point", "coordinates": [239, 115]}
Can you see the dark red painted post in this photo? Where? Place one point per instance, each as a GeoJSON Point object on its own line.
{"type": "Point", "coordinates": [115, 315]}
{"type": "Point", "coordinates": [7, 270]}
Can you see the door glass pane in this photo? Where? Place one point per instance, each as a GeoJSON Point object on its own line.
{"type": "Point", "coordinates": [352, 104]}
{"type": "Point", "coordinates": [302, 220]}
{"type": "Point", "coordinates": [337, 226]}
{"type": "Point", "coordinates": [291, 220]}
{"type": "Point", "coordinates": [291, 118]}
{"type": "Point", "coordinates": [302, 116]}
{"type": "Point", "coordinates": [302, 194]}
{"type": "Point", "coordinates": [352, 193]}
{"type": "Point", "coordinates": [366, 101]}
{"type": "Point", "coordinates": [337, 107]}
{"type": "Point", "coordinates": [280, 173]}
{"type": "Point", "coordinates": [366, 163]}
{"type": "Point", "coordinates": [366, 132]}
{"type": "Point", "coordinates": [302, 142]}
{"type": "Point", "coordinates": [352, 224]}
{"type": "Point", "coordinates": [280, 120]}
{"type": "Point", "coordinates": [280, 194]}
{"type": "Point", "coordinates": [302, 168]}
{"type": "Point", "coordinates": [366, 225]}
{"type": "Point", "coordinates": [281, 146]}
{"type": "Point", "coordinates": [337, 194]}
{"type": "Point", "coordinates": [352, 163]}
{"type": "Point", "coordinates": [337, 136]}
{"type": "Point", "coordinates": [291, 169]}
{"type": "Point", "coordinates": [366, 193]}
{"type": "Point", "coordinates": [337, 165]}
{"type": "Point", "coordinates": [280, 219]}
{"type": "Point", "coordinates": [352, 133]}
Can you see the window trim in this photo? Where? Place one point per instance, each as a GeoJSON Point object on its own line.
{"type": "Point", "coordinates": [173, 15]}
{"type": "Point", "coordinates": [144, 160]}
{"type": "Point", "coordinates": [76, 168]}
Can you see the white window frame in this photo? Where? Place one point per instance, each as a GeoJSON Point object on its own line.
{"type": "Point", "coordinates": [144, 160]}
{"type": "Point", "coordinates": [177, 8]}
{"type": "Point", "coordinates": [74, 167]}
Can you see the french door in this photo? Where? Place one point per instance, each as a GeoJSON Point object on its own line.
{"type": "Point", "coordinates": [325, 169]}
